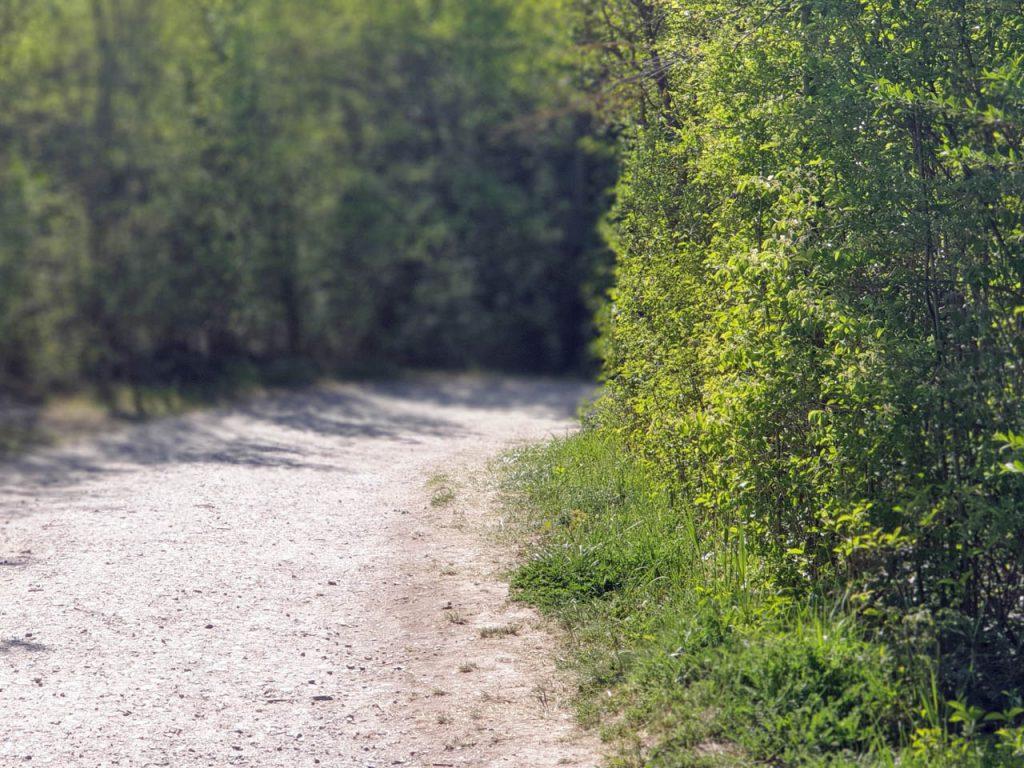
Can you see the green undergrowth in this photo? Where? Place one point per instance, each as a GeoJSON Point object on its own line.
{"type": "Point", "coordinates": [691, 656]}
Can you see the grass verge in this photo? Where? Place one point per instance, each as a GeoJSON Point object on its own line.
{"type": "Point", "coordinates": [691, 657]}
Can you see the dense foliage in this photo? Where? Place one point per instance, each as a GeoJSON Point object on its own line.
{"type": "Point", "coordinates": [816, 338]}
{"type": "Point", "coordinates": [817, 323]}
{"type": "Point", "coordinates": [188, 185]}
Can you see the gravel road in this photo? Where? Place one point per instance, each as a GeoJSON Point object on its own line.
{"type": "Point", "coordinates": [302, 579]}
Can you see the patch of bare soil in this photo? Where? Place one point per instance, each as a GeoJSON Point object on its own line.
{"type": "Point", "coordinates": [304, 579]}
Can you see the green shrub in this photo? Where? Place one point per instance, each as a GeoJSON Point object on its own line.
{"type": "Point", "coordinates": [816, 331]}
{"type": "Point", "coordinates": [816, 688]}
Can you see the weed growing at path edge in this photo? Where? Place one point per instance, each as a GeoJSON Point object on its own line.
{"type": "Point", "coordinates": [442, 494]}
{"type": "Point", "coordinates": [684, 639]}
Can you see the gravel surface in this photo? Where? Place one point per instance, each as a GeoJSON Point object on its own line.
{"type": "Point", "coordinates": [303, 579]}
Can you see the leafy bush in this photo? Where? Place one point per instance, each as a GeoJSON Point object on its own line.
{"type": "Point", "coordinates": [816, 330]}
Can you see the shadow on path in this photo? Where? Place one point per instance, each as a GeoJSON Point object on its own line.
{"type": "Point", "coordinates": [16, 644]}
{"type": "Point", "coordinates": [554, 397]}
{"type": "Point", "coordinates": [261, 432]}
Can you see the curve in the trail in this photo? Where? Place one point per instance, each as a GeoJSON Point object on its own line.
{"type": "Point", "coordinates": [278, 584]}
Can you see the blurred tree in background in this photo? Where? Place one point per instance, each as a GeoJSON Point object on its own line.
{"type": "Point", "coordinates": [190, 186]}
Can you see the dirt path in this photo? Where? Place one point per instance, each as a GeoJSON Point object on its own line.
{"type": "Point", "coordinates": [284, 583]}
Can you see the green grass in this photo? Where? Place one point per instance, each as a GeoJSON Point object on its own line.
{"type": "Point", "coordinates": [690, 655]}
{"type": "Point", "coordinates": [504, 630]}
{"type": "Point", "coordinates": [442, 492]}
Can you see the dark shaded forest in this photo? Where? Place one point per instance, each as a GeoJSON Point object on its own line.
{"type": "Point", "coordinates": [196, 191]}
